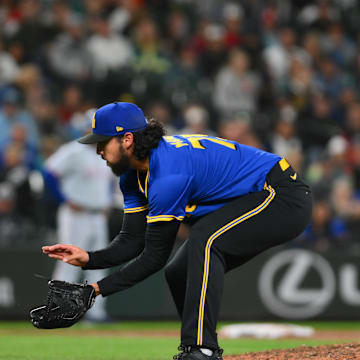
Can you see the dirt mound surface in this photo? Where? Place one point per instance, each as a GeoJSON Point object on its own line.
{"type": "Point", "coordinates": [333, 352]}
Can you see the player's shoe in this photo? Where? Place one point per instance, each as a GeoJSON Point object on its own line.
{"type": "Point", "coordinates": [194, 353]}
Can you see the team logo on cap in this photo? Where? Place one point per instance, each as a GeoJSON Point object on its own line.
{"type": "Point", "coordinates": [119, 128]}
{"type": "Point", "coordinates": [93, 122]}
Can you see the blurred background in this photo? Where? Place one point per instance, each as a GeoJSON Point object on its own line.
{"type": "Point", "coordinates": [282, 76]}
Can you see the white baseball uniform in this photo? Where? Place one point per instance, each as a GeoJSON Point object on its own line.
{"type": "Point", "coordinates": [86, 181]}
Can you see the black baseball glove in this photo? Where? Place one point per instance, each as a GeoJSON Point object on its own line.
{"type": "Point", "coordinates": [66, 304]}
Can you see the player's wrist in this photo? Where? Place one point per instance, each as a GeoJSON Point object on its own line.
{"type": "Point", "coordinates": [96, 287]}
{"type": "Point", "coordinates": [86, 258]}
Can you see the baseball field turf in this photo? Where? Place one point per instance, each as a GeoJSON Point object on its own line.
{"type": "Point", "coordinates": [140, 341]}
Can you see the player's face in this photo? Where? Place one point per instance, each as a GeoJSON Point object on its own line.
{"type": "Point", "coordinates": [115, 155]}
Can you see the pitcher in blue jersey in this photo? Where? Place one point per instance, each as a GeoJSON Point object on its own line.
{"type": "Point", "coordinates": [238, 200]}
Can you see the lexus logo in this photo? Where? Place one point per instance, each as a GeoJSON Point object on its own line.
{"type": "Point", "coordinates": [283, 289]}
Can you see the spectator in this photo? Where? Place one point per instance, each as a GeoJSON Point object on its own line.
{"type": "Point", "coordinates": [337, 148]}
{"type": "Point", "coordinates": [16, 50]}
{"type": "Point", "coordinates": [324, 231]}
{"type": "Point", "coordinates": [239, 129]}
{"type": "Point", "coordinates": [63, 18]}
{"type": "Point", "coordinates": [152, 62]}
{"type": "Point", "coordinates": [31, 83]}
{"type": "Point", "coordinates": [12, 113]}
{"type": "Point", "coordinates": [178, 28]}
{"type": "Point", "coordinates": [94, 8]}
{"type": "Point", "coordinates": [123, 15]}
{"type": "Point", "coordinates": [284, 141]}
{"type": "Point", "coordinates": [330, 80]}
{"type": "Point", "coordinates": [161, 112]}
{"type": "Point", "coordinates": [311, 42]}
{"type": "Point", "coordinates": [196, 120]}
{"type": "Point", "coordinates": [198, 42]}
{"type": "Point", "coordinates": [338, 46]}
{"type": "Point", "coordinates": [346, 205]}
{"type": "Point", "coordinates": [317, 123]}
{"type": "Point", "coordinates": [214, 53]}
{"type": "Point", "coordinates": [184, 82]}
{"type": "Point", "coordinates": [269, 20]}
{"type": "Point", "coordinates": [37, 97]}
{"type": "Point", "coordinates": [236, 87]}
{"type": "Point", "coordinates": [108, 50]}
{"type": "Point", "coordinates": [150, 56]}
{"type": "Point", "coordinates": [71, 103]}
{"type": "Point", "coordinates": [31, 31]}
{"type": "Point", "coordinates": [319, 15]}
{"type": "Point", "coordinates": [68, 56]}
{"type": "Point", "coordinates": [8, 67]}
{"type": "Point", "coordinates": [330, 166]}
{"type": "Point", "coordinates": [47, 118]}
{"type": "Point", "coordinates": [77, 124]}
{"type": "Point", "coordinates": [298, 84]}
{"type": "Point", "coordinates": [352, 120]}
{"type": "Point", "coordinates": [233, 21]}
{"type": "Point", "coordinates": [236, 129]}
{"type": "Point", "coordinates": [15, 172]}
{"type": "Point", "coordinates": [15, 231]}
{"type": "Point", "coordinates": [278, 56]}
{"type": "Point", "coordinates": [19, 138]}
{"type": "Point", "coordinates": [347, 97]}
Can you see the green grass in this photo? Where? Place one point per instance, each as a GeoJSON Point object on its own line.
{"type": "Point", "coordinates": [20, 341]}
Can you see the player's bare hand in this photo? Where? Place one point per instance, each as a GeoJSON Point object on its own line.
{"type": "Point", "coordinates": [68, 253]}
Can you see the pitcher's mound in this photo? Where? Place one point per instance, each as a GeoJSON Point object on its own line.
{"type": "Point", "coordinates": [324, 352]}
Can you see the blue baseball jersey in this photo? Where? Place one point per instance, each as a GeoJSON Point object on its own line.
{"type": "Point", "coordinates": [192, 175]}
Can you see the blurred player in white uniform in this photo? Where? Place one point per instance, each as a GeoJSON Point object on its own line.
{"type": "Point", "coordinates": [86, 186]}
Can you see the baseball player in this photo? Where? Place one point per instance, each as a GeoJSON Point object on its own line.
{"type": "Point", "coordinates": [83, 184]}
{"type": "Point", "coordinates": [238, 200]}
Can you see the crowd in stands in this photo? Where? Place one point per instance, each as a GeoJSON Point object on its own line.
{"type": "Point", "coordinates": [283, 76]}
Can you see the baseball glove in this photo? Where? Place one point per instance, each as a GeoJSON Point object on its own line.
{"type": "Point", "coordinates": [66, 304]}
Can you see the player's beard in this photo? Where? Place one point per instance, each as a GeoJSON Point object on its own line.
{"type": "Point", "coordinates": [122, 165]}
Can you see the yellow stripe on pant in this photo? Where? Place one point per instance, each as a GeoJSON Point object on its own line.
{"type": "Point", "coordinates": [211, 239]}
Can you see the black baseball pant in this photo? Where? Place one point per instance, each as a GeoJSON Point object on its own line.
{"type": "Point", "coordinates": [227, 238]}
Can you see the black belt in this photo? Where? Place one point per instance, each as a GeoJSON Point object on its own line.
{"type": "Point", "coordinates": [80, 208]}
{"type": "Point", "coordinates": [280, 171]}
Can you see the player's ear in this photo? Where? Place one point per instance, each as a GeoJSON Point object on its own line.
{"type": "Point", "coordinates": [128, 140]}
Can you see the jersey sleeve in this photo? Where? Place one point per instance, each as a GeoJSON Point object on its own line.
{"type": "Point", "coordinates": [62, 162]}
{"type": "Point", "coordinates": [134, 199]}
{"type": "Point", "coordinates": [168, 197]}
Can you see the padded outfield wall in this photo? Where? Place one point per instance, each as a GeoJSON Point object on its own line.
{"type": "Point", "coordinates": [292, 284]}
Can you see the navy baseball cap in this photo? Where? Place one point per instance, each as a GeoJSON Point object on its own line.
{"type": "Point", "coordinates": [113, 120]}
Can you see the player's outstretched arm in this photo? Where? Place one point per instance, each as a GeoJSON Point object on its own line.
{"type": "Point", "coordinates": [127, 245]}
{"type": "Point", "coordinates": [68, 253]}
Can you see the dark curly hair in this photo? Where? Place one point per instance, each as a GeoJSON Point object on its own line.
{"type": "Point", "coordinates": [147, 139]}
